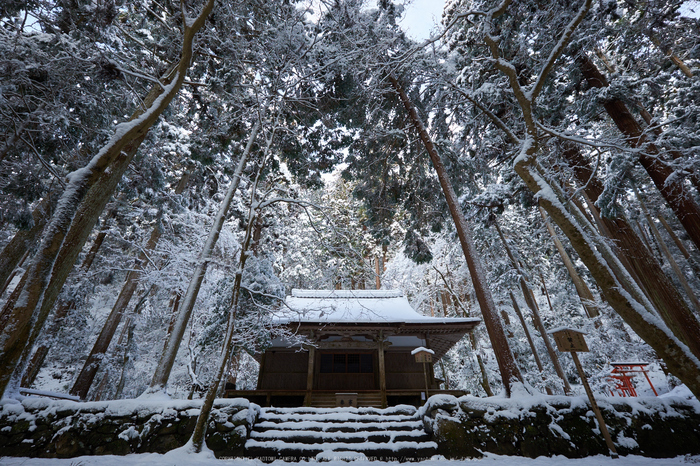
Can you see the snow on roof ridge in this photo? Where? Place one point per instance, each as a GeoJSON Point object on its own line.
{"type": "Point", "coordinates": [559, 329]}
{"type": "Point", "coordinates": [357, 294]}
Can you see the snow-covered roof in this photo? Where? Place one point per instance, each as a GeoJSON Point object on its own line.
{"type": "Point", "coordinates": [354, 306]}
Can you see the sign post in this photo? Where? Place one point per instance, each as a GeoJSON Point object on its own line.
{"type": "Point", "coordinates": [424, 355]}
{"type": "Point", "coordinates": [571, 341]}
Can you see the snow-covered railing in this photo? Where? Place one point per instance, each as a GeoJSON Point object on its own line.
{"type": "Point", "coordinates": [297, 293]}
{"type": "Point", "coordinates": [58, 396]}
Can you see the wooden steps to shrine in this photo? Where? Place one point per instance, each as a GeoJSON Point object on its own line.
{"type": "Point", "coordinates": [325, 434]}
{"type": "Point", "coordinates": [329, 399]}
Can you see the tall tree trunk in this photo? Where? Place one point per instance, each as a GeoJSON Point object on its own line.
{"type": "Point", "coordinates": [129, 327]}
{"type": "Point", "coordinates": [592, 251]}
{"type": "Point", "coordinates": [584, 293]}
{"type": "Point", "coordinates": [99, 238]}
{"type": "Point", "coordinates": [482, 367]}
{"type": "Point", "coordinates": [618, 287]}
{"type": "Point", "coordinates": [668, 51]}
{"type": "Point", "coordinates": [62, 309]}
{"type": "Point", "coordinates": [130, 324]}
{"type": "Point", "coordinates": [99, 349]}
{"type": "Point", "coordinates": [82, 202]}
{"type": "Point", "coordinates": [162, 372]}
{"type": "Point", "coordinates": [535, 354]}
{"type": "Point", "coordinates": [200, 429]}
{"type": "Point", "coordinates": [101, 388]}
{"type": "Point", "coordinates": [672, 188]}
{"type": "Point", "coordinates": [669, 257]}
{"type": "Point", "coordinates": [661, 291]}
{"type": "Point", "coordinates": [92, 363]}
{"type": "Point", "coordinates": [17, 247]}
{"type": "Point", "coordinates": [506, 362]}
{"type": "Point", "coordinates": [693, 175]}
{"type": "Point", "coordinates": [674, 236]}
{"type": "Point", "coordinates": [532, 304]}
{"type": "Point", "coordinates": [692, 262]}
{"type": "Point", "coordinates": [604, 230]}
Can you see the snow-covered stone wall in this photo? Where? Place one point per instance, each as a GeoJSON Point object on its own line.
{"type": "Point", "coordinates": [39, 427]}
{"type": "Point", "coordinates": [557, 425]}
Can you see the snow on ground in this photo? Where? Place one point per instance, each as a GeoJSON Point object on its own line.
{"type": "Point", "coordinates": [178, 457]}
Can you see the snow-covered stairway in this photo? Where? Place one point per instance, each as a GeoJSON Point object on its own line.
{"type": "Point", "coordinates": [340, 433]}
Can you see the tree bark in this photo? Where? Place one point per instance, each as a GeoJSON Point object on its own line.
{"type": "Point", "coordinates": [200, 429]}
{"type": "Point", "coordinates": [62, 309]}
{"type": "Point", "coordinates": [74, 219]}
{"type": "Point", "coordinates": [672, 188]}
{"type": "Point", "coordinates": [669, 257]}
{"type": "Point", "coordinates": [678, 357]}
{"type": "Point", "coordinates": [23, 240]}
{"type": "Point", "coordinates": [162, 372]}
{"type": "Point", "coordinates": [92, 363]}
{"type": "Point", "coordinates": [506, 362]}
{"type": "Point", "coordinates": [666, 299]}
{"type": "Point", "coordinates": [532, 304]}
{"type": "Point", "coordinates": [584, 293]}
{"type": "Point", "coordinates": [536, 355]}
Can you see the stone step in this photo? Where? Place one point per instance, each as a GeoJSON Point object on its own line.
{"type": "Point", "coordinates": [316, 426]}
{"type": "Point", "coordinates": [331, 417]}
{"type": "Point", "coordinates": [292, 436]}
{"type": "Point", "coordinates": [295, 434]}
{"type": "Point", "coordinates": [399, 451]}
{"type": "Point", "coordinates": [405, 410]}
{"type": "Point", "coordinates": [368, 420]}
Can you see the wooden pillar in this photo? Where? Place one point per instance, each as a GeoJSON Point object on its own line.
{"type": "Point", "coordinates": [431, 367]}
{"type": "Point", "coordinates": [599, 416]}
{"type": "Point", "coordinates": [261, 371]}
{"type": "Point", "coordinates": [310, 377]}
{"type": "Point", "coordinates": [382, 371]}
{"type": "Point", "coordinates": [378, 271]}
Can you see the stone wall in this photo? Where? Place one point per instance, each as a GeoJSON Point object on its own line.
{"type": "Point", "coordinates": [39, 427]}
{"type": "Point", "coordinates": [556, 425]}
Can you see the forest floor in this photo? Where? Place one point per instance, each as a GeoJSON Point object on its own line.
{"type": "Point", "coordinates": [179, 457]}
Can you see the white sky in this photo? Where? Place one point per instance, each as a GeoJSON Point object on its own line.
{"type": "Point", "coordinates": [691, 8]}
{"type": "Point", "coordinates": [421, 17]}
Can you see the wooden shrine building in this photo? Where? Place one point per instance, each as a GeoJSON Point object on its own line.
{"type": "Point", "coordinates": [358, 352]}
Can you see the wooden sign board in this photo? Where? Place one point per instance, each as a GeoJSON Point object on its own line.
{"type": "Point", "coordinates": [346, 400]}
{"type": "Point", "coordinates": [570, 341]}
{"type": "Point", "coordinates": [423, 356]}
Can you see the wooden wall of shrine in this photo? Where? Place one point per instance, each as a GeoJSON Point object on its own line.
{"type": "Point", "coordinates": [341, 370]}
{"type": "Point", "coordinates": [283, 370]}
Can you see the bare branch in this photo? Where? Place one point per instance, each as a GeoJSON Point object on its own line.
{"type": "Point", "coordinates": [43, 162]}
{"type": "Point", "coordinates": [497, 121]}
{"type": "Point", "coordinates": [559, 48]}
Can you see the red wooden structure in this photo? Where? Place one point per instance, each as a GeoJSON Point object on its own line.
{"type": "Point", "coordinates": [623, 372]}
